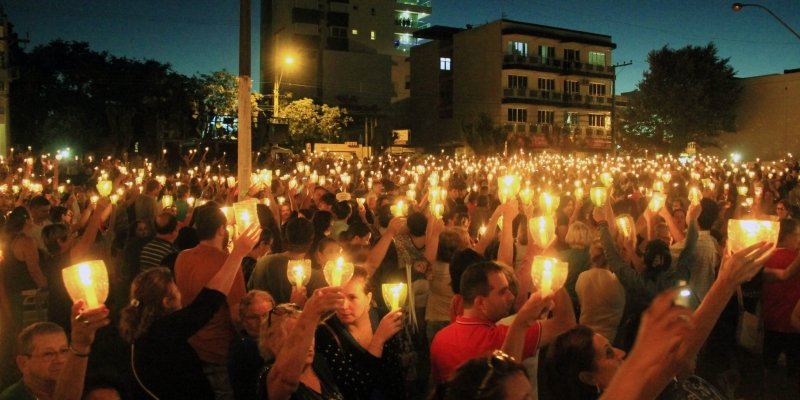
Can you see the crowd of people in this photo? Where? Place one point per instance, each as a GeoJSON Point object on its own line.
{"type": "Point", "coordinates": [203, 303]}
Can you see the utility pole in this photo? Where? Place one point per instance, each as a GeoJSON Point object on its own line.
{"type": "Point", "coordinates": [244, 139]}
{"type": "Point", "coordinates": [614, 104]}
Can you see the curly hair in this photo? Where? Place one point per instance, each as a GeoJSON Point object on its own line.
{"type": "Point", "coordinates": [483, 378]}
{"type": "Point", "coordinates": [148, 290]}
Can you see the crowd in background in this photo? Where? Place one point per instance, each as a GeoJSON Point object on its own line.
{"type": "Point", "coordinates": [199, 308]}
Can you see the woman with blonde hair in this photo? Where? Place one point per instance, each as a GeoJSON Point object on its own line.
{"type": "Point", "coordinates": [578, 238]}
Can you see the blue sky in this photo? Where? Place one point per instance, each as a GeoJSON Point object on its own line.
{"type": "Point", "coordinates": [201, 36]}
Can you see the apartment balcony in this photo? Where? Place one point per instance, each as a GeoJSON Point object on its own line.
{"type": "Point", "coordinates": [553, 98]}
{"type": "Point", "coordinates": [414, 6]}
{"type": "Point", "coordinates": [551, 64]}
{"type": "Point", "coordinates": [405, 25]}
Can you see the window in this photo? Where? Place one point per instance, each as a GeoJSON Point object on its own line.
{"type": "Point", "coordinates": [517, 115]}
{"type": "Point", "coordinates": [518, 48]}
{"type": "Point", "coordinates": [355, 31]}
{"type": "Point", "coordinates": [570, 118]}
{"type": "Point", "coordinates": [547, 52]}
{"type": "Point", "coordinates": [597, 120]}
{"type": "Point", "coordinates": [597, 89]}
{"type": "Point", "coordinates": [338, 32]}
{"type": "Point", "coordinates": [572, 55]}
{"type": "Point", "coordinates": [444, 63]}
{"type": "Point", "coordinates": [597, 58]}
{"type": "Point", "coordinates": [517, 82]}
{"type": "Point", "coordinates": [371, 35]}
{"type": "Point", "coordinates": [547, 84]}
{"type": "Point", "coordinates": [572, 86]}
{"type": "Point", "coordinates": [545, 117]}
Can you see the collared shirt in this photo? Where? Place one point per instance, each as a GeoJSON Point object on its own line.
{"type": "Point", "coordinates": [703, 271]}
{"type": "Point", "coordinates": [469, 338]}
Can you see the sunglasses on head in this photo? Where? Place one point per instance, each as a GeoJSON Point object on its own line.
{"type": "Point", "coordinates": [283, 309]}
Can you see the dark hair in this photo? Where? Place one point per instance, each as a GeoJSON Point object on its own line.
{"type": "Point", "coordinates": [356, 229]}
{"type": "Point", "coordinates": [39, 201]}
{"type": "Point", "coordinates": [361, 273]}
{"type": "Point", "coordinates": [475, 280]}
{"type": "Point", "coordinates": [17, 220]}
{"type": "Point", "coordinates": [657, 257]}
{"type": "Point", "coordinates": [709, 214]}
{"type": "Point", "coordinates": [384, 215]}
{"type": "Point", "coordinates": [449, 242]}
{"type": "Point", "coordinates": [52, 235]}
{"type": "Point", "coordinates": [328, 198]}
{"type": "Point", "coordinates": [166, 223]}
{"type": "Point", "coordinates": [471, 375]}
{"type": "Point", "coordinates": [25, 338]}
{"type": "Point", "coordinates": [460, 262]}
{"type": "Point", "coordinates": [57, 213]}
{"type": "Point", "coordinates": [571, 353]}
{"type": "Point", "coordinates": [148, 291]}
{"type": "Point", "coordinates": [322, 221]}
{"type": "Point", "coordinates": [417, 224]}
{"type": "Point", "coordinates": [342, 209]}
{"type": "Point", "coordinates": [788, 227]}
{"type": "Point", "coordinates": [151, 185]}
{"type": "Point", "coordinates": [298, 235]}
{"type": "Point", "coordinates": [104, 381]}
{"type": "Point", "coordinates": [187, 238]}
{"type": "Point", "coordinates": [207, 221]}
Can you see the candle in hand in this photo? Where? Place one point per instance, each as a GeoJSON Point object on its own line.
{"type": "Point", "coordinates": [299, 272]}
{"type": "Point", "coordinates": [394, 294]}
{"type": "Point", "coordinates": [338, 272]}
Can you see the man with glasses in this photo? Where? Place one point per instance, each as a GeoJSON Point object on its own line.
{"type": "Point", "coordinates": [245, 362]}
{"type": "Point", "coordinates": [43, 350]}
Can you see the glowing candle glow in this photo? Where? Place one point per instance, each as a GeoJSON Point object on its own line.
{"type": "Point", "coordinates": [742, 190]}
{"type": "Point", "coordinates": [526, 195]}
{"type": "Point", "coordinates": [598, 194]}
{"type": "Point", "coordinates": [694, 196]}
{"type": "Point", "coordinates": [167, 200]}
{"type": "Point", "coordinates": [549, 274]}
{"type": "Point", "coordinates": [394, 294]}
{"type": "Point", "coordinates": [606, 179]}
{"type": "Point", "coordinates": [543, 230]}
{"type": "Point", "coordinates": [299, 272]}
{"type": "Point", "coordinates": [104, 187]}
{"type": "Point", "coordinates": [88, 281]}
{"type": "Point", "coordinates": [657, 202]}
{"type": "Point", "coordinates": [399, 209]}
{"type": "Point", "coordinates": [743, 233]}
{"type": "Point", "coordinates": [246, 212]}
{"type": "Point", "coordinates": [338, 272]}
{"type": "Point", "coordinates": [624, 225]}
{"type": "Point", "coordinates": [548, 203]}
{"type": "Point", "coordinates": [507, 187]}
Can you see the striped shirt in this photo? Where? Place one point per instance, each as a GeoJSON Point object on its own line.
{"type": "Point", "coordinates": [154, 252]}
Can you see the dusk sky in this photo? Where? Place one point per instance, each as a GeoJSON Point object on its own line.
{"type": "Point", "coordinates": [201, 36]}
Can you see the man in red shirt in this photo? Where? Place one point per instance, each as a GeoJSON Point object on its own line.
{"type": "Point", "coordinates": [193, 269]}
{"type": "Point", "coordinates": [487, 299]}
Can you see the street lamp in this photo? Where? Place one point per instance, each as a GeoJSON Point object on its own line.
{"type": "Point", "coordinates": [289, 60]}
{"type": "Point", "coordinates": [738, 7]}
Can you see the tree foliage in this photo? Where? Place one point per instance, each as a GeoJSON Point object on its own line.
{"type": "Point", "coordinates": [310, 122]}
{"type": "Point", "coordinates": [688, 94]}
{"type": "Point", "coordinates": [483, 136]}
{"type": "Point", "coordinates": [70, 95]}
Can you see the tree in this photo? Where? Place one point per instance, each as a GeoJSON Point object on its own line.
{"type": "Point", "coordinates": [483, 135]}
{"type": "Point", "coordinates": [688, 94]}
{"type": "Point", "coordinates": [309, 122]}
{"type": "Point", "coordinates": [219, 96]}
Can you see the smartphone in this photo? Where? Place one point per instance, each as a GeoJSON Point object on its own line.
{"type": "Point", "coordinates": [685, 296]}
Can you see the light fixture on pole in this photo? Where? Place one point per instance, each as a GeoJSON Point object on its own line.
{"type": "Point", "coordinates": [736, 7]}
{"type": "Point", "coordinates": [276, 90]}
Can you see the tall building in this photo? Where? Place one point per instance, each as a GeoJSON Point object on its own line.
{"type": "Point", "coordinates": [349, 53]}
{"type": "Point", "coordinates": [549, 87]}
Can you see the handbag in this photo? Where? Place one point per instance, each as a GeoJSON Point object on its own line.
{"type": "Point", "coordinates": [749, 328]}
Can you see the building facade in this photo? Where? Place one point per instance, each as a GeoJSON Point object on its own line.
{"type": "Point", "coordinates": [547, 86]}
{"type": "Point", "coordinates": [348, 53]}
{"type": "Point", "coordinates": [767, 120]}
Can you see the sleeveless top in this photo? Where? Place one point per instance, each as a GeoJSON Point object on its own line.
{"type": "Point", "coordinates": [16, 273]}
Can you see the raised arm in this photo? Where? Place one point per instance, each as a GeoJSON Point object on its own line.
{"type": "Point", "coordinates": [435, 228]}
{"type": "Point", "coordinates": [378, 252]}
{"type": "Point", "coordinates": [223, 280]}
{"type": "Point", "coordinates": [284, 377]}
{"type": "Point", "coordinates": [69, 385]}
{"type": "Point", "coordinates": [505, 253]}
{"type": "Point", "coordinates": [491, 229]}
{"type": "Point", "coordinates": [736, 269]}
{"type": "Point", "coordinates": [85, 242]}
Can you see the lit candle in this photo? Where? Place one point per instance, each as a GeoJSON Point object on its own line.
{"type": "Point", "coordinates": [744, 233]}
{"type": "Point", "coordinates": [88, 281]}
{"type": "Point", "coordinates": [598, 195]}
{"type": "Point", "coordinates": [338, 272]}
{"type": "Point", "coordinates": [694, 195]}
{"type": "Point", "coordinates": [549, 274]}
{"type": "Point", "coordinates": [548, 203]}
{"type": "Point", "coordinates": [657, 202]}
{"type": "Point", "coordinates": [394, 294]}
{"type": "Point", "coordinates": [299, 272]}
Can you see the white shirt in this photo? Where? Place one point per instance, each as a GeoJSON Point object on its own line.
{"type": "Point", "coordinates": [602, 299]}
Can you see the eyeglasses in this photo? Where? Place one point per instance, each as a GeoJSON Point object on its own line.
{"type": "Point", "coordinates": [281, 310]}
{"type": "Point", "coordinates": [49, 356]}
{"type": "Point", "coordinates": [498, 356]}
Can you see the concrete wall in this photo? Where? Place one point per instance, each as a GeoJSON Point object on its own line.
{"type": "Point", "coordinates": [768, 121]}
